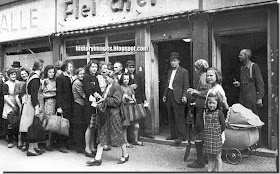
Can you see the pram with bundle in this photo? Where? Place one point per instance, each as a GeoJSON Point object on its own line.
{"type": "Point", "coordinates": [241, 133]}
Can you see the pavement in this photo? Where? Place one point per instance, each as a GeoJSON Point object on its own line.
{"type": "Point", "coordinates": [153, 157]}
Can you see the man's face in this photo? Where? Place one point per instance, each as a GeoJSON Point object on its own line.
{"type": "Point", "coordinates": [174, 63]}
{"type": "Point", "coordinates": [69, 68]}
{"type": "Point", "coordinates": [117, 68]}
{"type": "Point", "coordinates": [131, 69]}
{"type": "Point", "coordinates": [242, 56]}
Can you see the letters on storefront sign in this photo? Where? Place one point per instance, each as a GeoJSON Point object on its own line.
{"type": "Point", "coordinates": [16, 21]}
{"type": "Point", "coordinates": [116, 5]}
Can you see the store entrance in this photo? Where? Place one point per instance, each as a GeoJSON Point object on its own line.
{"type": "Point", "coordinates": [164, 50]}
{"type": "Point", "coordinates": [230, 47]}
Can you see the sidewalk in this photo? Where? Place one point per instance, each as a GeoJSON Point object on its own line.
{"type": "Point", "coordinates": [161, 139]}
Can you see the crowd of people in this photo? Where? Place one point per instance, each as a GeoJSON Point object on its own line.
{"type": "Point", "coordinates": [100, 101]}
{"type": "Point", "coordinates": [105, 104]}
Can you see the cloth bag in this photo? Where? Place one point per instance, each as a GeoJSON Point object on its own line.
{"type": "Point", "coordinates": [57, 124]}
{"type": "Point", "coordinates": [137, 112]}
{"type": "Point", "coordinates": [36, 131]}
{"type": "Point", "coordinates": [238, 114]}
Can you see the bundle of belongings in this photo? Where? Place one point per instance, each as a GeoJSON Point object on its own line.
{"type": "Point", "coordinates": [241, 117]}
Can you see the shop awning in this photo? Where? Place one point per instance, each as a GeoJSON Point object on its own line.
{"type": "Point", "coordinates": [126, 24]}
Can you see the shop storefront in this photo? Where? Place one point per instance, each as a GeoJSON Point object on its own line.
{"type": "Point", "coordinates": [25, 32]}
{"type": "Point", "coordinates": [153, 27]}
{"type": "Point", "coordinates": [196, 29]}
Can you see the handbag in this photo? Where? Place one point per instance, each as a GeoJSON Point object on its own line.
{"type": "Point", "coordinates": [13, 119]}
{"type": "Point", "coordinates": [57, 124]}
{"type": "Point", "coordinates": [136, 112]}
{"type": "Point", "coordinates": [36, 131]}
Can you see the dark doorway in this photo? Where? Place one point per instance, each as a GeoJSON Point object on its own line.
{"type": "Point", "coordinates": [230, 48]}
{"type": "Point", "coordinates": [164, 50]}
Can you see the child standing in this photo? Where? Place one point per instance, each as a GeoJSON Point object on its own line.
{"type": "Point", "coordinates": [128, 101]}
{"type": "Point", "coordinates": [214, 125]}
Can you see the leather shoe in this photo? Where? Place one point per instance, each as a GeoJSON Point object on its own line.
{"type": "Point", "coordinates": [89, 154]}
{"type": "Point", "coordinates": [39, 151]}
{"type": "Point", "coordinates": [170, 138]}
{"type": "Point", "coordinates": [63, 150]}
{"type": "Point", "coordinates": [31, 154]}
{"type": "Point", "coordinates": [123, 160]}
{"type": "Point", "coordinates": [94, 163]}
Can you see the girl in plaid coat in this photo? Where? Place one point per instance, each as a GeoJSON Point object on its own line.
{"type": "Point", "coordinates": [214, 125]}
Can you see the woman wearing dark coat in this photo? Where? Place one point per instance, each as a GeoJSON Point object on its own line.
{"type": "Point", "coordinates": [111, 131]}
{"type": "Point", "coordinates": [91, 88]}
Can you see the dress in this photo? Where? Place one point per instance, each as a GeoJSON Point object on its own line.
{"type": "Point", "coordinates": [252, 87]}
{"type": "Point", "coordinates": [213, 128]}
{"type": "Point", "coordinates": [30, 100]}
{"type": "Point", "coordinates": [49, 93]}
{"type": "Point", "coordinates": [111, 132]}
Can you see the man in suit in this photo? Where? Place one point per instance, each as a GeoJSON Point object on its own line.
{"type": "Point", "coordinates": [175, 97]}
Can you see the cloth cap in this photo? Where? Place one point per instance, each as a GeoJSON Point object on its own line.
{"type": "Point", "coordinates": [130, 63]}
{"type": "Point", "coordinates": [175, 55]}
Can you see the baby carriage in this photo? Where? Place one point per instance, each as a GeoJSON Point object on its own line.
{"type": "Point", "coordinates": [239, 142]}
{"type": "Point", "coordinates": [241, 133]}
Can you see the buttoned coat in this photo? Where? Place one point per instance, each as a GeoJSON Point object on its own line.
{"type": "Point", "coordinates": [180, 84]}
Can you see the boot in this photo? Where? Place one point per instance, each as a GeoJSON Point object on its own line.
{"type": "Point", "coordinates": [199, 162]}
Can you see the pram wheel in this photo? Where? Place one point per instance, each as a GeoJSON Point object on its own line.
{"type": "Point", "coordinates": [247, 152]}
{"type": "Point", "coordinates": [233, 156]}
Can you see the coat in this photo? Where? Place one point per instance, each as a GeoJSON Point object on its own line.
{"type": "Point", "coordinates": [180, 84]}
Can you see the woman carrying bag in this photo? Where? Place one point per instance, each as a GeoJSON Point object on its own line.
{"type": "Point", "coordinates": [31, 107]}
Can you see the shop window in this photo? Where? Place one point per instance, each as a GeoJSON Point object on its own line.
{"type": "Point", "coordinates": [77, 63]}
{"type": "Point", "coordinates": [76, 47]}
{"type": "Point", "coordinates": [121, 39]}
{"type": "Point", "coordinates": [122, 59]}
{"type": "Point", "coordinates": [97, 44]}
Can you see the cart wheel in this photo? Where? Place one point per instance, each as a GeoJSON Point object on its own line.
{"type": "Point", "coordinates": [233, 156]}
{"type": "Point", "coordinates": [247, 152]}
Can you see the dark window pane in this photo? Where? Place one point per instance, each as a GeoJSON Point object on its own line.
{"type": "Point", "coordinates": [76, 47]}
{"type": "Point", "coordinates": [121, 39]}
{"type": "Point", "coordinates": [97, 45]}
{"type": "Point", "coordinates": [77, 63]}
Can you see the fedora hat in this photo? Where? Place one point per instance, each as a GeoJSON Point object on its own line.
{"type": "Point", "coordinates": [16, 64]}
{"type": "Point", "coordinates": [175, 55]}
{"type": "Point", "coordinates": [130, 63]}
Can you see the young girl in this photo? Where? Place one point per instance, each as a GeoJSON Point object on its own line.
{"type": "Point", "coordinates": [128, 101]}
{"type": "Point", "coordinates": [214, 125]}
{"type": "Point", "coordinates": [214, 78]}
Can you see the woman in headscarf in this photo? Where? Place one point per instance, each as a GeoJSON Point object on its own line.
{"type": "Point", "coordinates": [199, 95]}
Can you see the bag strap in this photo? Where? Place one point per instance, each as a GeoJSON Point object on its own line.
{"type": "Point", "coordinates": [251, 70]}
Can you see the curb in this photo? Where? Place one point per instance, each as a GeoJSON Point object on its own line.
{"type": "Point", "coordinates": [263, 152]}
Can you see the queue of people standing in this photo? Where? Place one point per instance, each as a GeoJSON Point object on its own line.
{"type": "Point", "coordinates": [211, 105]}
{"type": "Point", "coordinates": [51, 90]}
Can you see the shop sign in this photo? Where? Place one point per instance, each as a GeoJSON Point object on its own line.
{"type": "Point", "coordinates": [73, 14]}
{"type": "Point", "coordinates": [26, 20]}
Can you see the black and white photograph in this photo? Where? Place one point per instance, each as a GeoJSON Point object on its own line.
{"type": "Point", "coordinates": [176, 86]}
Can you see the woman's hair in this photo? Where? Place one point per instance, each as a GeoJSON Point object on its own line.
{"type": "Point", "coordinates": [11, 71]}
{"type": "Point", "coordinates": [38, 64]}
{"type": "Point", "coordinates": [201, 64]}
{"type": "Point", "coordinates": [79, 70]}
{"type": "Point", "coordinates": [122, 77]}
{"type": "Point", "coordinates": [213, 95]}
{"type": "Point", "coordinates": [219, 78]}
{"type": "Point", "coordinates": [24, 69]}
{"type": "Point", "coordinates": [65, 65]}
{"type": "Point", "coordinates": [46, 70]}
{"type": "Point", "coordinates": [89, 65]}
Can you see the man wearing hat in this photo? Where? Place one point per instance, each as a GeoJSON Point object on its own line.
{"type": "Point", "coordinates": [139, 89]}
{"type": "Point", "coordinates": [175, 97]}
{"type": "Point", "coordinates": [16, 65]}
